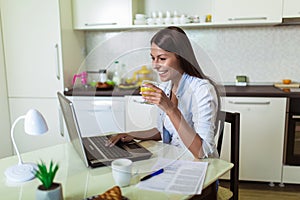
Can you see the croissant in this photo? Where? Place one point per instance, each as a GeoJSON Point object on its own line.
{"type": "Point", "coordinates": [111, 194]}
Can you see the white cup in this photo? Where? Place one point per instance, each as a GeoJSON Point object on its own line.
{"type": "Point", "coordinates": [168, 14]}
{"type": "Point", "coordinates": [140, 16]}
{"type": "Point", "coordinates": [168, 20]}
{"type": "Point", "coordinates": [176, 20]}
{"type": "Point", "coordinates": [159, 21]}
{"type": "Point", "coordinates": [150, 21]}
{"type": "Point", "coordinates": [121, 171]}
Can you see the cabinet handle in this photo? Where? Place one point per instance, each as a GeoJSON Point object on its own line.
{"type": "Point", "coordinates": [296, 116]}
{"type": "Point", "coordinates": [250, 103]}
{"type": "Point", "coordinates": [100, 24]}
{"type": "Point", "coordinates": [107, 108]}
{"type": "Point", "coordinates": [246, 18]}
{"type": "Point", "coordinates": [58, 62]}
{"type": "Point", "coordinates": [61, 123]}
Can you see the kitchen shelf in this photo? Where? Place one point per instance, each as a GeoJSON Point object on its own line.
{"type": "Point", "coordinates": [189, 25]}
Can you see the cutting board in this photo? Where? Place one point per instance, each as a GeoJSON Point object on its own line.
{"type": "Point", "coordinates": [291, 85]}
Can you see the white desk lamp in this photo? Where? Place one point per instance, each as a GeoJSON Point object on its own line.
{"type": "Point", "coordinates": [34, 124]}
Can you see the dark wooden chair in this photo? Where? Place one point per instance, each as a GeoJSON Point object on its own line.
{"type": "Point", "coordinates": [234, 120]}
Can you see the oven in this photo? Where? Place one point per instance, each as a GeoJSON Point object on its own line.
{"type": "Point", "coordinates": [292, 144]}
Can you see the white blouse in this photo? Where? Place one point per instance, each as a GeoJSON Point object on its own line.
{"type": "Point", "coordinates": [198, 103]}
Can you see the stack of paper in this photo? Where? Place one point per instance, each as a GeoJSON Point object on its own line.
{"type": "Point", "coordinates": [179, 176]}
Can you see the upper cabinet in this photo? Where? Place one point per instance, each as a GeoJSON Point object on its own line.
{"type": "Point", "coordinates": [291, 8]}
{"type": "Point", "coordinates": [247, 11]}
{"type": "Point", "coordinates": [103, 14]}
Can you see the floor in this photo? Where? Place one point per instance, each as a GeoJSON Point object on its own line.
{"type": "Point", "coordinates": [257, 190]}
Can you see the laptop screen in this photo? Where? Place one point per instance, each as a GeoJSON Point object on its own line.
{"type": "Point", "coordinates": [72, 125]}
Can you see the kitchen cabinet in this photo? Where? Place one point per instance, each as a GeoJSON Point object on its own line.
{"type": "Point", "coordinates": [119, 14]}
{"type": "Point", "coordinates": [103, 13]}
{"type": "Point", "coordinates": [261, 136]}
{"type": "Point", "coordinates": [5, 146]}
{"type": "Point", "coordinates": [39, 46]}
{"type": "Point", "coordinates": [98, 115]}
{"type": "Point", "coordinates": [139, 116]}
{"type": "Point", "coordinates": [32, 47]}
{"type": "Point", "coordinates": [42, 52]}
{"type": "Point", "coordinates": [247, 12]}
{"type": "Point", "coordinates": [291, 8]}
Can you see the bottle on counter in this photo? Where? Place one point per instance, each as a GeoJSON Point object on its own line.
{"type": "Point", "coordinates": [102, 76]}
{"type": "Point", "coordinates": [116, 77]}
{"type": "Point", "coordinates": [123, 73]}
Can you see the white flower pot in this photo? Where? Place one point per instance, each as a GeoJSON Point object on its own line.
{"type": "Point", "coordinates": [53, 193]}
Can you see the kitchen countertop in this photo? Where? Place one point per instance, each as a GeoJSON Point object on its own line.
{"type": "Point", "coordinates": [231, 91]}
{"type": "Point", "coordinates": [258, 91]}
{"type": "Point", "coordinates": [102, 92]}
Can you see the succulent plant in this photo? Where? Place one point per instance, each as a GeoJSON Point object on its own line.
{"type": "Point", "coordinates": [46, 176]}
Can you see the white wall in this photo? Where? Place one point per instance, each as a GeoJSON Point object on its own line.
{"type": "Point", "coordinates": [5, 142]}
{"type": "Point", "coordinates": [266, 54]}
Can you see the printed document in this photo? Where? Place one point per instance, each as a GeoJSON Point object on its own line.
{"type": "Point", "coordinates": [179, 176]}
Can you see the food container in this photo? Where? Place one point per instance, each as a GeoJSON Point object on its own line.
{"type": "Point", "coordinates": [93, 77]}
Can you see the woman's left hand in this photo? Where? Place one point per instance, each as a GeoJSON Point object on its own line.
{"type": "Point", "coordinates": [157, 97]}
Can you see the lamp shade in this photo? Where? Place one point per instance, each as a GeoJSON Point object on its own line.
{"type": "Point", "coordinates": [34, 123]}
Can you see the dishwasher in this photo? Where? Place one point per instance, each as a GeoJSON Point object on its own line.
{"type": "Point", "coordinates": [99, 115]}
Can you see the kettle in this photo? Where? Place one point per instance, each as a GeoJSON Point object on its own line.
{"type": "Point", "coordinates": [142, 74]}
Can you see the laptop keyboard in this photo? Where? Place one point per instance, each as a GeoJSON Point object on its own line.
{"type": "Point", "coordinates": [110, 152]}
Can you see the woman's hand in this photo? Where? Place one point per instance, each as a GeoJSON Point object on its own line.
{"type": "Point", "coordinates": [123, 137]}
{"type": "Point", "coordinates": [157, 97]}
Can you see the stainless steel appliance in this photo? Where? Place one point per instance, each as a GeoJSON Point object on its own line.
{"type": "Point", "coordinates": [292, 145]}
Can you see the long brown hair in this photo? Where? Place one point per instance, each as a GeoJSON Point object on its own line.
{"type": "Point", "coordinates": [174, 39]}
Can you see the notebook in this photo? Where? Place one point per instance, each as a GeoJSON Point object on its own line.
{"type": "Point", "coordinates": [92, 150]}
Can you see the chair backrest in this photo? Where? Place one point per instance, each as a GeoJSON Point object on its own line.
{"type": "Point", "coordinates": [234, 120]}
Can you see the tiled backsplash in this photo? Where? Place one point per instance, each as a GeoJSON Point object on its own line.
{"type": "Point", "coordinates": [264, 54]}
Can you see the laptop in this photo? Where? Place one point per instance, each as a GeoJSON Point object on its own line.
{"type": "Point", "coordinates": [92, 150]}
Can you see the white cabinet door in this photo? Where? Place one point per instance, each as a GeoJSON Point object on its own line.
{"type": "Point", "coordinates": [139, 116]}
{"type": "Point", "coordinates": [97, 115]}
{"type": "Point", "coordinates": [31, 37]}
{"type": "Point", "coordinates": [95, 13]}
{"type": "Point", "coordinates": [25, 142]}
{"type": "Point", "coordinates": [247, 11]}
{"type": "Point", "coordinates": [261, 136]}
{"type": "Point", "coordinates": [291, 8]}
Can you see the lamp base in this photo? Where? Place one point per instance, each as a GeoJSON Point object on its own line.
{"type": "Point", "coordinates": [21, 172]}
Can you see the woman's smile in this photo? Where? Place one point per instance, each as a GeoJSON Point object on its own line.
{"type": "Point", "coordinates": [165, 63]}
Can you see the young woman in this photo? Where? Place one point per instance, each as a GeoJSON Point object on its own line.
{"type": "Point", "coordinates": [188, 101]}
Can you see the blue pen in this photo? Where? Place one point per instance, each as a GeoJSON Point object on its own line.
{"type": "Point", "coordinates": [153, 174]}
